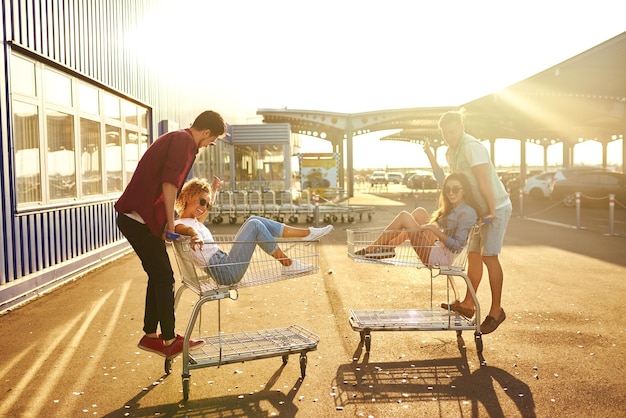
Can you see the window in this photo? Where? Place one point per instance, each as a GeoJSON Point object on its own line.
{"type": "Point", "coordinates": [61, 158]}
{"type": "Point", "coordinates": [58, 88]}
{"type": "Point", "coordinates": [23, 76]}
{"type": "Point", "coordinates": [113, 159]}
{"type": "Point", "coordinates": [91, 157]}
{"type": "Point", "coordinates": [27, 157]}
{"type": "Point", "coordinates": [72, 140]}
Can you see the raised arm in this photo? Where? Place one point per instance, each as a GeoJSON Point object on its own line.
{"type": "Point", "coordinates": [437, 170]}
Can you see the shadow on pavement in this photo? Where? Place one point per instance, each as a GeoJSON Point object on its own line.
{"type": "Point", "coordinates": [447, 381]}
{"type": "Point", "coordinates": [264, 403]}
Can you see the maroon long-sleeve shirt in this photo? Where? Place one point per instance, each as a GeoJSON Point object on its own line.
{"type": "Point", "coordinates": [167, 160]}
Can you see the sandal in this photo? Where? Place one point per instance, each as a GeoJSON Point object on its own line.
{"type": "Point", "coordinates": [379, 253]}
{"type": "Point", "coordinates": [456, 307]}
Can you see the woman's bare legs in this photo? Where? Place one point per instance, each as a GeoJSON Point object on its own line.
{"type": "Point", "coordinates": [421, 216]}
{"type": "Point", "coordinates": [407, 225]}
{"type": "Point", "coordinates": [292, 232]}
{"type": "Point", "coordinates": [282, 258]}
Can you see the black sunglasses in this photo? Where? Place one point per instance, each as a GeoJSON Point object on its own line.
{"type": "Point", "coordinates": [453, 190]}
{"type": "Point", "coordinates": [203, 202]}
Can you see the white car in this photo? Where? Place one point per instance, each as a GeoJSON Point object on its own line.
{"type": "Point", "coordinates": [538, 187]}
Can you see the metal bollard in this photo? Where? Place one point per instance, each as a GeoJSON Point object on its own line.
{"type": "Point", "coordinates": [611, 213]}
{"type": "Point", "coordinates": [578, 210]}
{"type": "Point", "coordinates": [316, 199]}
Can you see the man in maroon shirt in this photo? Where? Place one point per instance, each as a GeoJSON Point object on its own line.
{"type": "Point", "coordinates": [146, 213]}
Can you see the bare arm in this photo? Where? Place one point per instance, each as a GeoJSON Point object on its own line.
{"type": "Point", "coordinates": [215, 188]}
{"type": "Point", "coordinates": [431, 157]}
{"type": "Point", "coordinates": [481, 173]}
{"type": "Point", "coordinates": [169, 197]}
{"type": "Point", "coordinates": [437, 170]}
{"type": "Point", "coordinates": [189, 231]}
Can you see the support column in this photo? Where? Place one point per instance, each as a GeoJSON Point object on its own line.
{"type": "Point", "coordinates": [568, 150]}
{"type": "Point", "coordinates": [522, 164]}
{"type": "Point", "coordinates": [338, 148]}
{"type": "Point", "coordinates": [350, 158]}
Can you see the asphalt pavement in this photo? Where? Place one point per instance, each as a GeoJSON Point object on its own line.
{"type": "Point", "coordinates": [561, 352]}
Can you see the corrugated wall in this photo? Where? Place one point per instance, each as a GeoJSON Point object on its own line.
{"type": "Point", "coordinates": [95, 40]}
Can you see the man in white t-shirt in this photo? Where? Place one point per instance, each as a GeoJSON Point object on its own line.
{"type": "Point", "coordinates": [468, 156]}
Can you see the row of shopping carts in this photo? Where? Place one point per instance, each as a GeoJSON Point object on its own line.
{"type": "Point", "coordinates": [284, 206]}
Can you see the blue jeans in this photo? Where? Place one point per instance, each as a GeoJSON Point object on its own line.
{"type": "Point", "coordinates": [228, 269]}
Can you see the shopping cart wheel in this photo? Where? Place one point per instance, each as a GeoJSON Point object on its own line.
{"type": "Point", "coordinates": [168, 366]}
{"type": "Point", "coordinates": [285, 359]}
{"type": "Point", "coordinates": [366, 340]}
{"type": "Point", "coordinates": [232, 220]}
{"type": "Point", "coordinates": [309, 219]}
{"type": "Point", "coordinates": [478, 339]}
{"type": "Point", "coordinates": [303, 362]}
{"type": "Point", "coordinates": [350, 219]}
{"type": "Point", "coordinates": [369, 216]}
{"type": "Point", "coordinates": [186, 381]}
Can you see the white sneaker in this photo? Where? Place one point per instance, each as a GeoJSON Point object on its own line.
{"type": "Point", "coordinates": [317, 233]}
{"type": "Point", "coordinates": [297, 267]}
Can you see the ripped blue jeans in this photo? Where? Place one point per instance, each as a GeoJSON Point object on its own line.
{"type": "Point", "coordinates": [229, 268]}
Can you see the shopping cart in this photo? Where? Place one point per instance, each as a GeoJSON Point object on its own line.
{"type": "Point", "coordinates": [421, 253]}
{"type": "Point", "coordinates": [245, 346]}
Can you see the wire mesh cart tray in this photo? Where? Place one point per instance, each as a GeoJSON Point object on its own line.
{"type": "Point", "coordinates": [405, 255]}
{"type": "Point", "coordinates": [239, 347]}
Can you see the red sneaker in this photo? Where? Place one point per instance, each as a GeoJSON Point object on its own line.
{"type": "Point", "coordinates": [154, 345]}
{"type": "Point", "coordinates": [174, 349]}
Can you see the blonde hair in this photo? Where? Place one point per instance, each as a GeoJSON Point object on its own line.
{"type": "Point", "coordinates": [451, 117]}
{"type": "Point", "coordinates": [190, 191]}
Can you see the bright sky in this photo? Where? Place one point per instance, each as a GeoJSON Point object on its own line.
{"type": "Point", "coordinates": [362, 55]}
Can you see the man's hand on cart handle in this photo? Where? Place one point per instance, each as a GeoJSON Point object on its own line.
{"type": "Point", "coordinates": [172, 236]}
{"type": "Point", "coordinates": [488, 219]}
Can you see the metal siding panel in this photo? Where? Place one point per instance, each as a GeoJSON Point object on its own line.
{"type": "Point", "coordinates": [70, 40]}
{"type": "Point", "coordinates": [47, 48]}
{"type": "Point", "coordinates": [80, 37]}
{"type": "Point", "coordinates": [90, 222]}
{"type": "Point", "coordinates": [17, 245]}
{"type": "Point", "coordinates": [65, 233]}
{"type": "Point", "coordinates": [46, 238]}
{"type": "Point", "coordinates": [31, 247]}
{"type": "Point", "coordinates": [32, 26]}
{"type": "Point", "coordinates": [55, 30]}
{"type": "Point", "coordinates": [79, 246]}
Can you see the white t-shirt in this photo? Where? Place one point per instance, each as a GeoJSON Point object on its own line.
{"type": "Point", "coordinates": [201, 258]}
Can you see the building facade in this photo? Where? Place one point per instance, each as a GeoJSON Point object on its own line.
{"type": "Point", "coordinates": [79, 104]}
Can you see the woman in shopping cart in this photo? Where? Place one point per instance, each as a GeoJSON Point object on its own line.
{"type": "Point", "coordinates": [193, 204]}
{"type": "Point", "coordinates": [436, 238]}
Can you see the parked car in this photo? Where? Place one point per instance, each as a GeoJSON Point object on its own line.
{"type": "Point", "coordinates": [423, 176]}
{"type": "Point", "coordinates": [394, 177]}
{"type": "Point", "coordinates": [538, 187]}
{"type": "Point", "coordinates": [511, 181]}
{"type": "Point", "coordinates": [379, 177]}
{"type": "Point", "coordinates": [595, 185]}
{"type": "Point", "coordinates": [424, 180]}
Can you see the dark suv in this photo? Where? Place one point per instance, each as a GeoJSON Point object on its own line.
{"type": "Point", "coordinates": [595, 185]}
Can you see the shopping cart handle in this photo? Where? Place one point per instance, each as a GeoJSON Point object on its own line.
{"type": "Point", "coordinates": [172, 235]}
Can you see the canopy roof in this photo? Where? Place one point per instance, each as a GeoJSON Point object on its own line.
{"type": "Point", "coordinates": [582, 97]}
